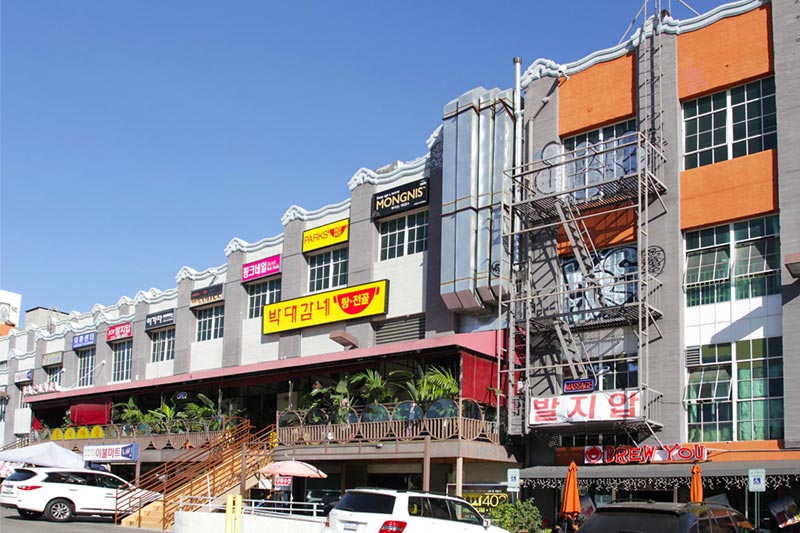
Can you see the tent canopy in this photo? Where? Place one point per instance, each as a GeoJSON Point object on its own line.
{"type": "Point", "coordinates": [45, 454]}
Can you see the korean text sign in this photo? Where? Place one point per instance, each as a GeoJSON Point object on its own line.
{"type": "Point", "coordinates": [613, 405]}
{"type": "Point", "coordinates": [327, 235]}
{"type": "Point", "coordinates": [261, 268]}
{"type": "Point", "coordinates": [324, 308]}
{"type": "Point", "coordinates": [120, 331]}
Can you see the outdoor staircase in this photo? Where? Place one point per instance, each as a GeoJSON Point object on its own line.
{"type": "Point", "coordinates": [226, 464]}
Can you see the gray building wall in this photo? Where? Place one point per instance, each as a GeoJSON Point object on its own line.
{"type": "Point", "coordinates": [786, 54]}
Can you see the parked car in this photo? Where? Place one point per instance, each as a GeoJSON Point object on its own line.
{"type": "Point", "coordinates": [371, 510]}
{"type": "Point", "coordinates": [59, 494]}
{"type": "Point", "coordinates": [658, 517]}
{"type": "Point", "coordinates": [322, 495]}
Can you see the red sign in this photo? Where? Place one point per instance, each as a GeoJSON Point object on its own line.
{"type": "Point", "coordinates": [283, 482]}
{"type": "Point", "coordinates": [120, 331]}
{"type": "Point", "coordinates": [644, 454]}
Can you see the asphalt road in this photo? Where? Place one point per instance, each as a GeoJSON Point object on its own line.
{"type": "Point", "coordinates": [11, 522]}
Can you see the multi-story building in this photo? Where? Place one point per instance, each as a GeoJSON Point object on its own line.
{"type": "Point", "coordinates": [607, 266]}
{"type": "Point", "coordinates": [653, 294]}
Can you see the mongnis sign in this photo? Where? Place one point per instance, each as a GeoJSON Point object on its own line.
{"type": "Point", "coordinates": [621, 455]}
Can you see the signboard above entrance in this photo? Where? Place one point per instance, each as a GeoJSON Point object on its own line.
{"type": "Point", "coordinates": [402, 198]}
{"type": "Point", "coordinates": [323, 308]}
{"type": "Point", "coordinates": [644, 454]}
{"type": "Point", "coordinates": [327, 235]}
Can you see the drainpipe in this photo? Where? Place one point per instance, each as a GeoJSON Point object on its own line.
{"type": "Point", "coordinates": [517, 112]}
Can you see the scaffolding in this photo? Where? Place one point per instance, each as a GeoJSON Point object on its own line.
{"type": "Point", "coordinates": [547, 209]}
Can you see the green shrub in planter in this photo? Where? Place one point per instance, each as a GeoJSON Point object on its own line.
{"type": "Point", "coordinates": [517, 516]}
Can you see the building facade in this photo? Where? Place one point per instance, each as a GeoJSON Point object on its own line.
{"type": "Point", "coordinates": [654, 227]}
{"type": "Point", "coordinates": [607, 267]}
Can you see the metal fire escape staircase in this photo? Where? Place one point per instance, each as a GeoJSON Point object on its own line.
{"type": "Point", "coordinates": [542, 329]}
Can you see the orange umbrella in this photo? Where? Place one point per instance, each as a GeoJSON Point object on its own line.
{"type": "Point", "coordinates": [696, 492]}
{"type": "Point", "coordinates": [571, 502]}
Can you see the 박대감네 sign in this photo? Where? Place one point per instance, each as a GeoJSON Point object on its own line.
{"type": "Point", "coordinates": [327, 235]}
{"type": "Point", "coordinates": [323, 308]}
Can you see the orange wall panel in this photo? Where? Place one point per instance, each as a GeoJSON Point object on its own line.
{"type": "Point", "coordinates": [602, 94]}
{"type": "Point", "coordinates": [734, 189]}
{"type": "Point", "coordinates": [609, 229]}
{"type": "Point", "coordinates": [726, 53]}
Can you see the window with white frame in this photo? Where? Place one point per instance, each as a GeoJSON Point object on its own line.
{"type": "Point", "coordinates": [600, 155]}
{"type": "Point", "coordinates": [327, 270]}
{"type": "Point", "coordinates": [404, 236]}
{"type": "Point", "coordinates": [261, 294]}
{"type": "Point", "coordinates": [731, 123]}
{"type": "Point", "coordinates": [123, 360]}
{"type": "Point", "coordinates": [612, 372]}
{"type": "Point", "coordinates": [735, 391]}
{"type": "Point", "coordinates": [86, 365]}
{"type": "Point", "coordinates": [162, 345]}
{"type": "Point", "coordinates": [54, 374]}
{"type": "Point", "coordinates": [210, 322]}
{"type": "Point", "coordinates": [753, 246]}
{"type": "Point", "coordinates": [21, 403]}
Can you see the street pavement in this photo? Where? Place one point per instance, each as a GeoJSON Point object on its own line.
{"type": "Point", "coordinates": [11, 522]}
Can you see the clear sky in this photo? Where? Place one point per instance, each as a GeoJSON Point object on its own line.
{"type": "Point", "coordinates": [140, 136]}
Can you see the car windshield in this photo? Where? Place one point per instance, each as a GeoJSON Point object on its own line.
{"type": "Point", "coordinates": [366, 502]}
{"type": "Point", "coordinates": [631, 522]}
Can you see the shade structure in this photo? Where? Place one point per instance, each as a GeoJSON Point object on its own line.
{"type": "Point", "coordinates": [45, 454]}
{"type": "Point", "coordinates": [696, 490]}
{"type": "Point", "coordinates": [292, 468]}
{"type": "Point", "coordinates": [571, 501]}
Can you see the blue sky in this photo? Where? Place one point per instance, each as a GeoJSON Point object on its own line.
{"type": "Point", "coordinates": [137, 137]}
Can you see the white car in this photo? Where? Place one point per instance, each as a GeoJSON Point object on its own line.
{"type": "Point", "coordinates": [61, 493]}
{"type": "Point", "coordinates": [397, 511]}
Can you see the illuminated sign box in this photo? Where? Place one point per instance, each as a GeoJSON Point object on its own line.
{"type": "Point", "coordinates": [327, 235]}
{"type": "Point", "coordinates": [323, 308]}
{"type": "Point", "coordinates": [120, 331]}
{"type": "Point", "coordinates": [579, 385]}
{"type": "Point", "coordinates": [207, 295]}
{"type": "Point", "coordinates": [397, 200]}
{"type": "Point", "coordinates": [592, 407]}
{"type": "Point", "coordinates": [159, 320]}
{"type": "Point", "coordinates": [261, 268]}
{"type": "Point", "coordinates": [86, 339]}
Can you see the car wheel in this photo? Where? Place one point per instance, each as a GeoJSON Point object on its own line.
{"type": "Point", "coordinates": [29, 515]}
{"type": "Point", "coordinates": [59, 510]}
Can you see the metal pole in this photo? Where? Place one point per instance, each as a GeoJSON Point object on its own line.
{"type": "Point", "coordinates": [426, 465]}
{"type": "Point", "coordinates": [459, 475]}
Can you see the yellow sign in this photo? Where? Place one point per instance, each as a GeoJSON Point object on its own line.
{"type": "Point", "coordinates": [97, 432]}
{"type": "Point", "coordinates": [327, 235]}
{"type": "Point", "coordinates": [69, 434]}
{"type": "Point", "coordinates": [56, 434]}
{"type": "Point", "coordinates": [333, 306]}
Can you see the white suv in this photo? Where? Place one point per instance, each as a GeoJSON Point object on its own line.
{"type": "Point", "coordinates": [398, 511]}
{"type": "Point", "coordinates": [59, 494]}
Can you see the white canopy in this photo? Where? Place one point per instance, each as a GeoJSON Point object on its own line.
{"type": "Point", "coordinates": [45, 454]}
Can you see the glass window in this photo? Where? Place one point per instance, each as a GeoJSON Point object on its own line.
{"type": "Point", "coordinates": [261, 294]}
{"type": "Point", "coordinates": [54, 374]}
{"type": "Point", "coordinates": [123, 358]}
{"type": "Point", "coordinates": [210, 322]}
{"type": "Point", "coordinates": [600, 155]}
{"type": "Point", "coordinates": [750, 248]}
{"type": "Point", "coordinates": [461, 512]}
{"type": "Point", "coordinates": [327, 270]}
{"type": "Point", "coordinates": [404, 236]}
{"type": "Point", "coordinates": [729, 124]}
{"type": "Point", "coordinates": [86, 367]}
{"type": "Point", "coordinates": [162, 345]}
{"type": "Point", "coordinates": [736, 392]}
